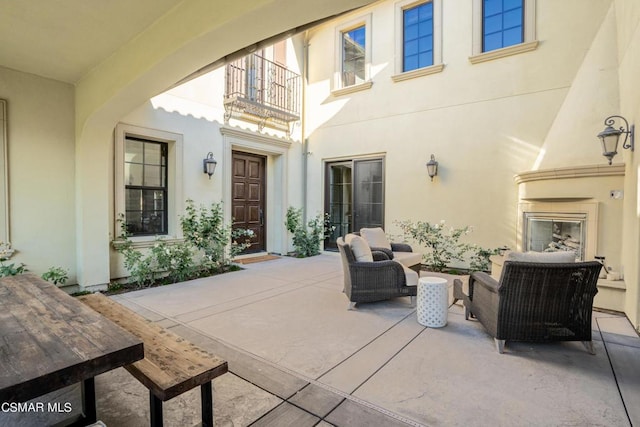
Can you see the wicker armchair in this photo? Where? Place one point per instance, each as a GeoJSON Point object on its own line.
{"type": "Point", "coordinates": [369, 281]}
{"type": "Point", "coordinates": [534, 302]}
{"type": "Point", "coordinates": [382, 248]}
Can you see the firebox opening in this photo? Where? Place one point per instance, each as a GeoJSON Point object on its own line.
{"type": "Point", "coordinates": [553, 232]}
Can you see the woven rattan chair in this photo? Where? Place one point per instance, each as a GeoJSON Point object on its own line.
{"type": "Point", "coordinates": [401, 252]}
{"type": "Point", "coordinates": [534, 302]}
{"type": "Point", "coordinates": [375, 280]}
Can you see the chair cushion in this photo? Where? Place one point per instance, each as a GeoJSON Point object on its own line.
{"type": "Point", "coordinates": [412, 276]}
{"type": "Point", "coordinates": [408, 259]}
{"type": "Point", "coordinates": [547, 257]}
{"type": "Point", "coordinates": [359, 247]}
{"type": "Point", "coordinates": [375, 237]}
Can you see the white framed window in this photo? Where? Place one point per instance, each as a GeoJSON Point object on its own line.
{"type": "Point", "coordinates": [148, 182]}
{"type": "Point", "coordinates": [418, 38]}
{"type": "Point", "coordinates": [353, 56]}
{"type": "Point", "coordinates": [502, 28]}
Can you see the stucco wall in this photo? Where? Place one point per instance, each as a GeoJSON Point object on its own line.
{"type": "Point", "coordinates": [484, 123]}
{"type": "Point", "coordinates": [628, 18]}
{"type": "Point", "coordinates": [41, 154]}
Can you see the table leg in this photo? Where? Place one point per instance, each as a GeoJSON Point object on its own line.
{"type": "Point", "coordinates": [89, 401]}
{"type": "Point", "coordinates": [155, 410]}
{"type": "Point", "coordinates": [206, 396]}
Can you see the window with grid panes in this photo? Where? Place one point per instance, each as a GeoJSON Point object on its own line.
{"type": "Point", "coordinates": [145, 168]}
{"type": "Point", "coordinates": [502, 23]}
{"type": "Point", "coordinates": [417, 37]}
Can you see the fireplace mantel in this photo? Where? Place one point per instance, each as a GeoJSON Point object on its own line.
{"type": "Point", "coordinates": [588, 171]}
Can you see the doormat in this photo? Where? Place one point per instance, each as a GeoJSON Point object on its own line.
{"type": "Point", "coordinates": [256, 259]}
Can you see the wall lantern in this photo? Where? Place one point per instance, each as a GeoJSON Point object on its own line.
{"type": "Point", "coordinates": [209, 164]}
{"type": "Point", "coordinates": [609, 136]}
{"type": "Point", "coordinates": [432, 167]}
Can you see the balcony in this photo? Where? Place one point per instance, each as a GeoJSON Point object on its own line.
{"type": "Point", "coordinates": [262, 92]}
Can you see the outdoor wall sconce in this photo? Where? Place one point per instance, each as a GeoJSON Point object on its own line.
{"type": "Point", "coordinates": [609, 137]}
{"type": "Point", "coordinates": [432, 167]}
{"type": "Point", "coordinates": [209, 164]}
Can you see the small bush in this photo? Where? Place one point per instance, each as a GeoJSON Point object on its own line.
{"type": "Point", "coordinates": [11, 269]}
{"type": "Point", "coordinates": [479, 260]}
{"type": "Point", "coordinates": [56, 275]}
{"type": "Point", "coordinates": [208, 248]}
{"type": "Point", "coordinates": [443, 243]}
{"type": "Point", "coordinates": [205, 230]}
{"type": "Point", "coordinates": [307, 239]}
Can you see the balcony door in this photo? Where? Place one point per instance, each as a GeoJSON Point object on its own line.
{"type": "Point", "coordinates": [354, 196]}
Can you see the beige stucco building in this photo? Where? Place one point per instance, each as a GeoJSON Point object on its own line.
{"type": "Point", "coordinates": [513, 129]}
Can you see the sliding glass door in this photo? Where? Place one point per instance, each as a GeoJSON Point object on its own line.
{"type": "Point", "coordinates": [354, 196]}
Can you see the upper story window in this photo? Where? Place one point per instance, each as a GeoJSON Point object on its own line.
{"type": "Point", "coordinates": [417, 37]}
{"type": "Point", "coordinates": [503, 28]}
{"type": "Point", "coordinates": [353, 56]}
{"type": "Point", "coordinates": [502, 23]}
{"type": "Point", "coordinates": [145, 170]}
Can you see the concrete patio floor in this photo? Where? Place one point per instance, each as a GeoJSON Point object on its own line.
{"type": "Point", "coordinates": [298, 357]}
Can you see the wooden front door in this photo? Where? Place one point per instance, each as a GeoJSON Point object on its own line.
{"type": "Point", "coordinates": [249, 197]}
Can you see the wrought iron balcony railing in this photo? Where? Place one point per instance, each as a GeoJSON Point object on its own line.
{"type": "Point", "coordinates": [261, 91]}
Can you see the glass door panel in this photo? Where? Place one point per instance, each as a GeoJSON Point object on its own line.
{"type": "Point", "coordinates": [355, 196]}
{"type": "Point", "coordinates": [368, 194]}
{"type": "Point", "coordinates": [340, 198]}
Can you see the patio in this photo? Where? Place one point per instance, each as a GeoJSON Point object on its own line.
{"type": "Point", "coordinates": [298, 357]}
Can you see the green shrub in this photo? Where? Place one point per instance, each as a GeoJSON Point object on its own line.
{"type": "Point", "coordinates": [11, 269]}
{"type": "Point", "coordinates": [443, 243]}
{"type": "Point", "coordinates": [208, 247]}
{"type": "Point", "coordinates": [205, 230]}
{"type": "Point", "coordinates": [307, 239]}
{"type": "Point", "coordinates": [56, 275]}
{"type": "Point", "coordinates": [479, 260]}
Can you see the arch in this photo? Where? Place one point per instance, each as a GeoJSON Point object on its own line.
{"type": "Point", "coordinates": [190, 36]}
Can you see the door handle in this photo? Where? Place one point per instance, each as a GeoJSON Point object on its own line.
{"type": "Point", "coordinates": [261, 213]}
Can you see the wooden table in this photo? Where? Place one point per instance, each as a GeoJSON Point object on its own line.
{"type": "Point", "coordinates": [49, 340]}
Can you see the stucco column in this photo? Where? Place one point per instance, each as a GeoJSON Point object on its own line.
{"type": "Point", "coordinates": [93, 162]}
{"type": "Point", "coordinates": [631, 242]}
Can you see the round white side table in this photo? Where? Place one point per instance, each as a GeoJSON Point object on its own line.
{"type": "Point", "coordinates": [432, 302]}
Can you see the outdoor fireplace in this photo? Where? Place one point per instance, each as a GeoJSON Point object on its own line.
{"type": "Point", "coordinates": [553, 232]}
{"type": "Point", "coordinates": [579, 209]}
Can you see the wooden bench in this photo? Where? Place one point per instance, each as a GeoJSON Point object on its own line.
{"type": "Point", "coordinates": [171, 365]}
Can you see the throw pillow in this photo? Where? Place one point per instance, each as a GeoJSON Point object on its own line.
{"type": "Point", "coordinates": [548, 257]}
{"type": "Point", "coordinates": [375, 237]}
{"type": "Point", "coordinates": [359, 247]}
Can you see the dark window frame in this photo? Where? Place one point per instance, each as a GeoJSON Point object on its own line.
{"type": "Point", "coordinates": [164, 162]}
{"type": "Point", "coordinates": [350, 220]}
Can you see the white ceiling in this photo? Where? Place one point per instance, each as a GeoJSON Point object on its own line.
{"type": "Point", "coordinates": [65, 39]}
